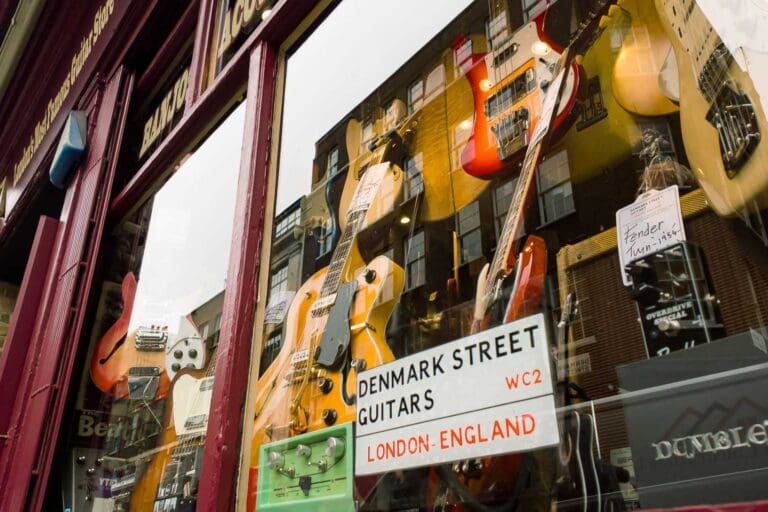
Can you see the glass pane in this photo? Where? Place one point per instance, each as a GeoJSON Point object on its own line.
{"type": "Point", "coordinates": [604, 348]}
{"type": "Point", "coordinates": [141, 412]}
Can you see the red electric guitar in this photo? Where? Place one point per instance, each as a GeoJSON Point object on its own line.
{"type": "Point", "coordinates": [508, 86]}
{"type": "Point", "coordinates": [511, 287]}
{"type": "Point", "coordinates": [132, 364]}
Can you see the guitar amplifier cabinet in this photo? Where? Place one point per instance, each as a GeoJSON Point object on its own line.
{"type": "Point", "coordinates": [607, 332]}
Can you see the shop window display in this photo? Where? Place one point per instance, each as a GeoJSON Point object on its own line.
{"type": "Point", "coordinates": [141, 411]}
{"type": "Point", "coordinates": [546, 276]}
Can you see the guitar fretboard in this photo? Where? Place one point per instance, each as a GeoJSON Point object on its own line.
{"type": "Point", "coordinates": [341, 254]}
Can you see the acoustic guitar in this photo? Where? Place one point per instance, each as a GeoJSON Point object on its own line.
{"type": "Point", "coordinates": [335, 326]}
{"type": "Point", "coordinates": [508, 86]}
{"type": "Point", "coordinates": [131, 365]}
{"type": "Point", "coordinates": [721, 116]}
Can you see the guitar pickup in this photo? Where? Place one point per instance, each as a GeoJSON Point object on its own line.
{"type": "Point", "coordinates": [143, 382]}
{"type": "Point", "coordinates": [198, 421]}
{"type": "Point", "coordinates": [151, 339]}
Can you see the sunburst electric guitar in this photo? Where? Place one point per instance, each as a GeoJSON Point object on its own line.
{"type": "Point", "coordinates": [721, 116]}
{"type": "Point", "coordinates": [508, 86]}
{"type": "Point", "coordinates": [335, 327]}
{"type": "Point", "coordinates": [127, 364]}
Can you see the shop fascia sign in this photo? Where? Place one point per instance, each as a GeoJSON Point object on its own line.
{"type": "Point", "coordinates": [485, 394]}
{"type": "Point", "coordinates": [77, 63]}
{"type": "Point", "coordinates": [162, 117]}
{"type": "Point", "coordinates": [236, 18]}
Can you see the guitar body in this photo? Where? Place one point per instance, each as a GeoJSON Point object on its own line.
{"type": "Point", "coordinates": [372, 306]}
{"type": "Point", "coordinates": [117, 352]}
{"type": "Point", "coordinates": [185, 390]}
{"type": "Point", "coordinates": [498, 475]}
{"type": "Point", "coordinates": [742, 182]}
{"type": "Point", "coordinates": [639, 61]}
{"type": "Point", "coordinates": [501, 129]}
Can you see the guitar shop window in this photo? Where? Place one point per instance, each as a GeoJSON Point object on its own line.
{"type": "Point", "coordinates": [415, 96]}
{"type": "Point", "coordinates": [287, 223]}
{"type": "Point", "coordinates": [332, 165]}
{"type": "Point", "coordinates": [470, 234]}
{"type": "Point", "coordinates": [367, 133]}
{"type": "Point", "coordinates": [414, 181]}
{"type": "Point", "coordinates": [554, 183]}
{"type": "Point", "coordinates": [415, 260]}
{"type": "Point", "coordinates": [502, 197]}
{"type": "Point", "coordinates": [167, 263]}
{"type": "Point", "coordinates": [592, 107]}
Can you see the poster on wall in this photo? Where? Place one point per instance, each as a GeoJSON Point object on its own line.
{"type": "Point", "coordinates": [426, 409]}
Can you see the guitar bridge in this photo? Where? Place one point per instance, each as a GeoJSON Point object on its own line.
{"type": "Point", "coordinates": [511, 133]}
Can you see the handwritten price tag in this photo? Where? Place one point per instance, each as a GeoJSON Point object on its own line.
{"type": "Point", "coordinates": [653, 222]}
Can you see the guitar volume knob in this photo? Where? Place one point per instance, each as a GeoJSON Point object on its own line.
{"type": "Point", "coordinates": [178, 354]}
{"type": "Point", "coordinates": [370, 275]}
{"type": "Point", "coordinates": [329, 416]}
{"type": "Point", "coordinates": [325, 385]}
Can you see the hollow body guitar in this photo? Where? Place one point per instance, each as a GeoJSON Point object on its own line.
{"type": "Point", "coordinates": [508, 85]}
{"type": "Point", "coordinates": [173, 469]}
{"type": "Point", "coordinates": [721, 116]}
{"type": "Point", "coordinates": [335, 327]}
{"type": "Point", "coordinates": [130, 365]}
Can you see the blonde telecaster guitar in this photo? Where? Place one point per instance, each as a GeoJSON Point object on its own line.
{"type": "Point", "coordinates": [721, 114]}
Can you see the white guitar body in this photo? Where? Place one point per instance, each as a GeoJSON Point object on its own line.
{"type": "Point", "coordinates": [191, 403]}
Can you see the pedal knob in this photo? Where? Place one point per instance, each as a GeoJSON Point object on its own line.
{"type": "Point", "coordinates": [370, 275]}
{"type": "Point", "coordinates": [302, 450]}
{"type": "Point", "coordinates": [334, 447]}
{"type": "Point", "coordinates": [178, 354]}
{"type": "Point", "coordinates": [329, 416]}
{"type": "Point", "coordinates": [276, 461]}
{"type": "Point", "coordinates": [325, 385]}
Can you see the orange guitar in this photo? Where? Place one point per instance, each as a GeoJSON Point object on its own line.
{"type": "Point", "coordinates": [508, 85]}
{"type": "Point", "coordinates": [133, 364]}
{"type": "Point", "coordinates": [335, 327]}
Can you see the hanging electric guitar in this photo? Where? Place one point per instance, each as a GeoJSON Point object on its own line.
{"type": "Point", "coordinates": [508, 86]}
{"type": "Point", "coordinates": [721, 116]}
{"type": "Point", "coordinates": [511, 287]}
{"type": "Point", "coordinates": [171, 472]}
{"type": "Point", "coordinates": [335, 326]}
{"type": "Point", "coordinates": [131, 365]}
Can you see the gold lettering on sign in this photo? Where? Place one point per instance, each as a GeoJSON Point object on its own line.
{"type": "Point", "coordinates": [54, 105]}
{"type": "Point", "coordinates": [162, 118]}
{"type": "Point", "coordinates": [240, 16]}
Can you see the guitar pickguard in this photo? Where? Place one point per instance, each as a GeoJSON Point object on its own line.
{"type": "Point", "coordinates": [336, 337]}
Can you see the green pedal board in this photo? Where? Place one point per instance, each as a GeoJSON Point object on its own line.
{"type": "Point", "coordinates": [313, 472]}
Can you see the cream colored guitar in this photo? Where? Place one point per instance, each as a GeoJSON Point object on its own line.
{"type": "Point", "coordinates": [722, 118]}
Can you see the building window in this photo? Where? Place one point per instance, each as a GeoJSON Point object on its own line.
{"type": "Point", "coordinates": [470, 234]}
{"type": "Point", "coordinates": [414, 181]}
{"type": "Point", "coordinates": [367, 133]}
{"type": "Point", "coordinates": [532, 8]}
{"type": "Point", "coordinates": [555, 194]}
{"type": "Point", "coordinates": [324, 240]}
{"type": "Point", "coordinates": [435, 83]}
{"type": "Point", "coordinates": [333, 162]}
{"type": "Point", "coordinates": [286, 223]}
{"type": "Point", "coordinates": [415, 261]}
{"type": "Point", "coordinates": [270, 351]}
{"type": "Point", "coordinates": [415, 96]}
{"type": "Point", "coordinates": [592, 107]}
{"type": "Point", "coordinates": [278, 281]}
{"type": "Point", "coordinates": [461, 54]}
{"type": "Point", "coordinates": [502, 197]}
{"type": "Point", "coordinates": [461, 133]}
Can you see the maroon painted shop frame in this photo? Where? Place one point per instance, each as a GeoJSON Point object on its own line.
{"type": "Point", "coordinates": [73, 249]}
